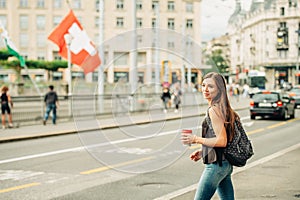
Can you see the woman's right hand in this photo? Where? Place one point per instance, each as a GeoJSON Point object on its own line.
{"type": "Point", "coordinates": [196, 155]}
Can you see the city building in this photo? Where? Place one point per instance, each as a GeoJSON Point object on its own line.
{"type": "Point", "coordinates": [265, 38]}
{"type": "Point", "coordinates": [29, 22]}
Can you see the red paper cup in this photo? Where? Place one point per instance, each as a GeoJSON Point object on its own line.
{"type": "Point", "coordinates": [187, 131]}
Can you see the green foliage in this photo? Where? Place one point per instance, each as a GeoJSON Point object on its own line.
{"type": "Point", "coordinates": [4, 54]}
{"type": "Point", "coordinates": [218, 62]}
{"type": "Point", "coordinates": [31, 64]}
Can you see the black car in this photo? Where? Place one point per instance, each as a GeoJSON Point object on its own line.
{"type": "Point", "coordinates": [272, 103]}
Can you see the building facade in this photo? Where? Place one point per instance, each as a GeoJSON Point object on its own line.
{"type": "Point", "coordinates": [29, 22]}
{"type": "Point", "coordinates": [265, 38]}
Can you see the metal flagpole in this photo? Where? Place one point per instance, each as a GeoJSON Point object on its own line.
{"type": "Point", "coordinates": [101, 68]}
{"type": "Point", "coordinates": [133, 71]}
{"type": "Point", "coordinates": [68, 39]}
{"type": "Point", "coordinates": [157, 63]}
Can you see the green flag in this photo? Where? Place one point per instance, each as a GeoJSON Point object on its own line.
{"type": "Point", "coordinates": [10, 46]}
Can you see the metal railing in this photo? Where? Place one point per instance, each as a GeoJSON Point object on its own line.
{"type": "Point", "coordinates": [30, 109]}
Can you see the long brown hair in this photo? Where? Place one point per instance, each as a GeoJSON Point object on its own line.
{"type": "Point", "coordinates": [222, 102]}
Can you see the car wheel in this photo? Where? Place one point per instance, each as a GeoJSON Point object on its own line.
{"type": "Point", "coordinates": [252, 116]}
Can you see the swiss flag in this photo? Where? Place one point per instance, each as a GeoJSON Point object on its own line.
{"type": "Point", "coordinates": [83, 51]}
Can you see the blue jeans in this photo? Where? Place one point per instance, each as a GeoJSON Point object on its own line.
{"type": "Point", "coordinates": [50, 107]}
{"type": "Point", "coordinates": [215, 178]}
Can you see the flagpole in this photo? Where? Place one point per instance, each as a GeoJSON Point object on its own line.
{"type": "Point", "coordinates": [68, 39]}
{"type": "Point", "coordinates": [101, 68]}
{"type": "Point", "coordinates": [33, 82]}
{"type": "Point", "coordinates": [133, 71]}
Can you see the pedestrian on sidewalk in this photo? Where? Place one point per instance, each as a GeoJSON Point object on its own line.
{"type": "Point", "coordinates": [166, 97]}
{"type": "Point", "coordinates": [217, 128]}
{"type": "Point", "coordinates": [177, 96]}
{"type": "Point", "coordinates": [5, 101]}
{"type": "Point", "coordinates": [51, 101]}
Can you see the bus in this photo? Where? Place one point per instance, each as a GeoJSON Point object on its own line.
{"type": "Point", "coordinates": [256, 81]}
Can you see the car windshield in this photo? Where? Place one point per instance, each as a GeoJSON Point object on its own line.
{"type": "Point", "coordinates": [268, 97]}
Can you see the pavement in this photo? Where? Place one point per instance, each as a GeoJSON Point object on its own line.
{"type": "Point", "coordinates": [282, 174]}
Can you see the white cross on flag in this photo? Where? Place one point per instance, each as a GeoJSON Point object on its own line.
{"type": "Point", "coordinates": [83, 51]}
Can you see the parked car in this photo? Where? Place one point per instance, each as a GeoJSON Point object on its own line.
{"type": "Point", "coordinates": [295, 94]}
{"type": "Point", "coordinates": [272, 103]}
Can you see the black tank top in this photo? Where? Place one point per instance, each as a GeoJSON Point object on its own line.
{"type": "Point", "coordinates": [4, 98]}
{"type": "Point", "coordinates": [210, 154]}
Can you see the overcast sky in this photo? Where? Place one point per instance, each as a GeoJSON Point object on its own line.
{"type": "Point", "coordinates": [215, 15]}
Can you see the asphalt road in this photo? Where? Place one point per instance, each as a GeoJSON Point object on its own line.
{"type": "Point", "coordinates": [133, 162]}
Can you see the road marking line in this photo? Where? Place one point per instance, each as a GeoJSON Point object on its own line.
{"type": "Point", "coordinates": [101, 144]}
{"type": "Point", "coordinates": [276, 125]}
{"type": "Point", "coordinates": [190, 188]}
{"type": "Point", "coordinates": [19, 187]}
{"type": "Point", "coordinates": [101, 169]}
{"type": "Point", "coordinates": [255, 131]}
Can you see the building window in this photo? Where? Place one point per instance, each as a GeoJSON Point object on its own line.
{"type": "Point", "coordinates": [292, 3]}
{"type": "Point", "coordinates": [121, 58]}
{"type": "Point", "coordinates": [41, 56]}
{"type": "Point", "coordinates": [154, 5]}
{"type": "Point", "coordinates": [24, 40]}
{"type": "Point", "coordinates": [139, 22]}
{"type": "Point", "coordinates": [41, 40]}
{"type": "Point", "coordinates": [56, 55]}
{"type": "Point", "coordinates": [171, 23]}
{"type": "Point", "coordinates": [56, 20]}
{"type": "Point", "coordinates": [40, 4]}
{"type": "Point", "coordinates": [40, 22]}
{"type": "Point", "coordinates": [267, 54]}
{"type": "Point", "coordinates": [153, 22]}
{"type": "Point", "coordinates": [189, 23]}
{"type": "Point", "coordinates": [171, 6]}
{"type": "Point", "coordinates": [57, 3]}
{"type": "Point", "coordinates": [189, 7]}
{"type": "Point", "coordinates": [97, 4]}
{"type": "Point", "coordinates": [23, 22]}
{"type": "Point", "coordinates": [141, 58]}
{"type": "Point", "coordinates": [139, 5]}
{"type": "Point", "coordinates": [2, 3]}
{"type": "Point", "coordinates": [97, 22]}
{"type": "Point", "coordinates": [120, 4]}
{"type": "Point", "coordinates": [23, 3]}
{"type": "Point", "coordinates": [3, 20]}
{"type": "Point", "coordinates": [120, 22]}
{"type": "Point", "coordinates": [56, 76]}
{"type": "Point", "coordinates": [171, 44]}
{"type": "Point", "coordinates": [122, 76]}
{"type": "Point", "coordinates": [76, 4]}
{"type": "Point", "coordinates": [282, 11]}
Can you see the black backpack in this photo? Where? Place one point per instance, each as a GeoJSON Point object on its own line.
{"type": "Point", "coordinates": [239, 150]}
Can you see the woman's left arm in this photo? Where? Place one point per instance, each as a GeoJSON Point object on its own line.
{"type": "Point", "coordinates": [218, 126]}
